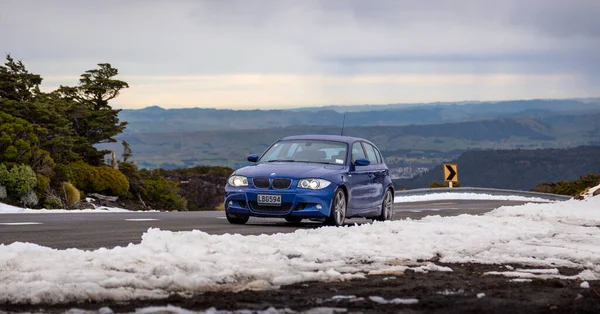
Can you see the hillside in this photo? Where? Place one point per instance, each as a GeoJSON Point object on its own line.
{"type": "Point", "coordinates": [515, 169]}
{"type": "Point", "coordinates": [410, 145]}
{"type": "Point", "coordinates": [159, 120]}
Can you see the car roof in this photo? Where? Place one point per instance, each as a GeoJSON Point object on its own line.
{"type": "Point", "coordinates": [337, 138]}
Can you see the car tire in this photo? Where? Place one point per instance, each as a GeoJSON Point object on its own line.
{"type": "Point", "coordinates": [387, 207]}
{"type": "Point", "coordinates": [293, 219]}
{"type": "Point", "coordinates": [237, 220]}
{"type": "Point", "coordinates": [337, 215]}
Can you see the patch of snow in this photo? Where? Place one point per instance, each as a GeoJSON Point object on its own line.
{"type": "Point", "coordinates": [585, 285]}
{"type": "Point", "coordinates": [343, 297]}
{"type": "Point", "coordinates": [9, 209]}
{"type": "Point", "coordinates": [567, 212]}
{"type": "Point", "coordinates": [584, 275]}
{"type": "Point", "coordinates": [591, 191]}
{"type": "Point", "coordinates": [465, 196]}
{"type": "Point", "coordinates": [509, 267]}
{"type": "Point", "coordinates": [480, 295]}
{"type": "Point", "coordinates": [381, 300]}
{"type": "Point", "coordinates": [520, 280]}
{"type": "Point", "coordinates": [431, 267]}
{"type": "Point", "coordinates": [271, 310]}
{"type": "Point", "coordinates": [549, 271]}
{"type": "Point", "coordinates": [166, 262]}
{"type": "Point", "coordinates": [451, 292]}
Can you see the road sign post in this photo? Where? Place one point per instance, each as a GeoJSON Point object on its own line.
{"type": "Point", "coordinates": [451, 174]}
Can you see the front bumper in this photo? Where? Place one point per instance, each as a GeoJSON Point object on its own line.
{"type": "Point", "coordinates": [300, 203]}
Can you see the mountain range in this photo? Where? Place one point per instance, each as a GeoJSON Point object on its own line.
{"type": "Point", "coordinates": [413, 138]}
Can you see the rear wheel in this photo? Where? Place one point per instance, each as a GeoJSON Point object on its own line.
{"type": "Point", "coordinates": [337, 215]}
{"type": "Point", "coordinates": [387, 207]}
{"type": "Point", "coordinates": [237, 220]}
{"type": "Point", "coordinates": [293, 219]}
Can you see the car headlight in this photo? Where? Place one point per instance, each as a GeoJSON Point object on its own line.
{"type": "Point", "coordinates": [238, 181]}
{"type": "Point", "coordinates": [313, 184]}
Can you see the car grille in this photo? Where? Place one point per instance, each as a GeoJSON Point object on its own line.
{"type": "Point", "coordinates": [284, 208]}
{"type": "Point", "coordinates": [278, 184]}
{"type": "Point", "coordinates": [281, 184]}
{"type": "Point", "coordinates": [261, 183]}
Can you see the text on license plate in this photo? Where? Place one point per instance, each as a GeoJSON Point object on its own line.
{"type": "Point", "coordinates": [269, 199]}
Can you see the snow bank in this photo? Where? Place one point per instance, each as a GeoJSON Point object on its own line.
{"type": "Point", "coordinates": [8, 209]}
{"type": "Point", "coordinates": [465, 196]}
{"type": "Point", "coordinates": [542, 235]}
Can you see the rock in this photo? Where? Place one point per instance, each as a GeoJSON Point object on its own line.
{"type": "Point", "coordinates": [104, 197]}
{"type": "Point", "coordinates": [597, 192]}
{"type": "Point", "coordinates": [578, 197]}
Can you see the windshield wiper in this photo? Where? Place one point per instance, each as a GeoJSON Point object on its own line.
{"type": "Point", "coordinates": [281, 160]}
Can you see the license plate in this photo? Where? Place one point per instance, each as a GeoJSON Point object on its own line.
{"type": "Point", "coordinates": [269, 199]}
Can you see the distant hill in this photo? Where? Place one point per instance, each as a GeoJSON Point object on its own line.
{"type": "Point", "coordinates": [518, 169]}
{"type": "Point", "coordinates": [159, 120]}
{"type": "Point", "coordinates": [403, 146]}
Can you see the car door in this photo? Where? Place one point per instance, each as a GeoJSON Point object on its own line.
{"type": "Point", "coordinates": [358, 182]}
{"type": "Point", "coordinates": [377, 173]}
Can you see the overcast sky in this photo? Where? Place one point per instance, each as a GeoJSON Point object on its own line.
{"type": "Point", "coordinates": [290, 53]}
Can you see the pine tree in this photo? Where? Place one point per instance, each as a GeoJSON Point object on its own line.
{"type": "Point", "coordinates": [92, 118]}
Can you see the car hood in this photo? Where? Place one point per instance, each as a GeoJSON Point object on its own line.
{"type": "Point", "coordinates": [289, 170]}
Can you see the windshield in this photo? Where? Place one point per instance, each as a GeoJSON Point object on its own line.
{"type": "Point", "coordinates": [313, 151]}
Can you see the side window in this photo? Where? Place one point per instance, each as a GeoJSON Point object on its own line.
{"type": "Point", "coordinates": [357, 151]}
{"type": "Point", "coordinates": [371, 154]}
{"type": "Point", "coordinates": [379, 156]}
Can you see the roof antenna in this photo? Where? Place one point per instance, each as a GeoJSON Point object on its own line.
{"type": "Point", "coordinates": [343, 123]}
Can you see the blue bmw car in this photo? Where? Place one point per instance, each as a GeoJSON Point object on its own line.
{"type": "Point", "coordinates": [325, 178]}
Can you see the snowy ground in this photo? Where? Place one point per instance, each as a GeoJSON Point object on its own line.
{"type": "Point", "coordinates": [8, 209]}
{"type": "Point", "coordinates": [465, 196]}
{"type": "Point", "coordinates": [541, 235]}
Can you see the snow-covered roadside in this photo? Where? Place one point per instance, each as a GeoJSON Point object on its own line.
{"type": "Point", "coordinates": [465, 196]}
{"type": "Point", "coordinates": [8, 209]}
{"type": "Point", "coordinates": [188, 262]}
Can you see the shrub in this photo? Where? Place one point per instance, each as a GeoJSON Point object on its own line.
{"type": "Point", "coordinates": [91, 179]}
{"type": "Point", "coordinates": [570, 188]}
{"type": "Point", "coordinates": [42, 184]}
{"type": "Point", "coordinates": [29, 199]}
{"type": "Point", "coordinates": [19, 180]}
{"type": "Point", "coordinates": [81, 175]}
{"type": "Point", "coordinates": [436, 184]}
{"type": "Point", "coordinates": [72, 194]}
{"type": "Point", "coordinates": [163, 193]}
{"type": "Point", "coordinates": [111, 181]}
{"type": "Point", "coordinates": [3, 194]}
{"type": "Point", "coordinates": [53, 202]}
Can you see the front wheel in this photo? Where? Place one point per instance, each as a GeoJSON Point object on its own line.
{"type": "Point", "coordinates": [237, 220]}
{"type": "Point", "coordinates": [387, 207]}
{"type": "Point", "coordinates": [337, 214]}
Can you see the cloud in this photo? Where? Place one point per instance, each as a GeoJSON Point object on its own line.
{"type": "Point", "coordinates": [338, 41]}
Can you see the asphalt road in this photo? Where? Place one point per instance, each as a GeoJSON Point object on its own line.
{"type": "Point", "coordinates": [95, 230]}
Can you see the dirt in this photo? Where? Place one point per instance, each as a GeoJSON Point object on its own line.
{"type": "Point", "coordinates": [436, 292]}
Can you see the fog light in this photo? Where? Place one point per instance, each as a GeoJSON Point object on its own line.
{"type": "Point", "coordinates": [230, 203]}
{"type": "Point", "coordinates": [319, 207]}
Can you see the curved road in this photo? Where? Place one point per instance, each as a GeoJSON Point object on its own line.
{"type": "Point", "coordinates": [95, 230]}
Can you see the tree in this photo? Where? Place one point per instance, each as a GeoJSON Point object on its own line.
{"type": "Point", "coordinates": [16, 83]}
{"type": "Point", "coordinates": [92, 118]}
{"type": "Point", "coordinates": [127, 153]}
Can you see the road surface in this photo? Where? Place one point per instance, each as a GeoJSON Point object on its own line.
{"type": "Point", "coordinates": [95, 230]}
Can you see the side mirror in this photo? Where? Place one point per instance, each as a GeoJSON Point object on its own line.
{"type": "Point", "coordinates": [362, 162]}
{"type": "Point", "coordinates": [252, 158]}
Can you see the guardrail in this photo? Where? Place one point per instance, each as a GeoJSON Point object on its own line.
{"type": "Point", "coordinates": [548, 196]}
